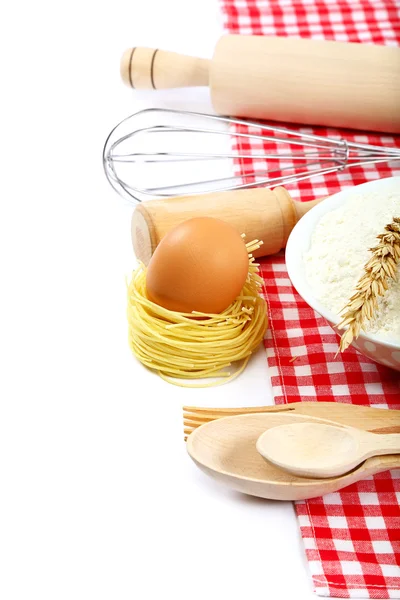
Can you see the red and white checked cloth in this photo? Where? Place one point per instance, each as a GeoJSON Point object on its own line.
{"type": "Point", "coordinates": [352, 537]}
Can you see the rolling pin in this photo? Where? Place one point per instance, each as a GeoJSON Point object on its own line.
{"type": "Point", "coordinates": [294, 80]}
{"type": "Point", "coordinates": [260, 213]}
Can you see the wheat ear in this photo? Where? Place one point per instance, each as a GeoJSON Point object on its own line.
{"type": "Point", "coordinates": [379, 269]}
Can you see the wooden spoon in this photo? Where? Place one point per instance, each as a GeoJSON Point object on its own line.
{"type": "Point", "coordinates": [226, 450]}
{"type": "Point", "coordinates": [321, 450]}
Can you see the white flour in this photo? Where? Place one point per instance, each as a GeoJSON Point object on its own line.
{"type": "Point", "coordinates": [339, 250]}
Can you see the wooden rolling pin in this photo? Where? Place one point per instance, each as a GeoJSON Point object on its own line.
{"type": "Point", "coordinates": [260, 213]}
{"type": "Point", "coordinates": [294, 80]}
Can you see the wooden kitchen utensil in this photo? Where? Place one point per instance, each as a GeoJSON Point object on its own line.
{"type": "Point", "coordinates": [321, 450]}
{"type": "Point", "coordinates": [260, 213]}
{"type": "Point", "coordinates": [285, 79]}
{"type": "Point", "coordinates": [354, 415]}
{"type": "Point", "coordinates": [226, 450]}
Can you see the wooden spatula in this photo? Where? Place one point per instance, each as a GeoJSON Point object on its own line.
{"type": "Point", "coordinates": [364, 417]}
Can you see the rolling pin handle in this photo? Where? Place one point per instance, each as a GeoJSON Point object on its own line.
{"type": "Point", "coordinates": [260, 213]}
{"type": "Point", "coordinates": [149, 68]}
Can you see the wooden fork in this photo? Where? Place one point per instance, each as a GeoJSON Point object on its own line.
{"type": "Point", "coordinates": [364, 417]}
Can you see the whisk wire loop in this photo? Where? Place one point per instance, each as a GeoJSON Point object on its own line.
{"type": "Point", "coordinates": [134, 146]}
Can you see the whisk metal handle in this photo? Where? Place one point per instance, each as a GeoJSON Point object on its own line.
{"type": "Point", "coordinates": [260, 213]}
{"type": "Point", "coordinates": [148, 68]}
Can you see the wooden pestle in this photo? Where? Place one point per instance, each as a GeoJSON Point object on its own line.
{"type": "Point", "coordinates": [295, 80]}
{"type": "Point", "coordinates": [260, 213]}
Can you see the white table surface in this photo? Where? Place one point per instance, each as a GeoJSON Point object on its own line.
{"type": "Point", "coordinates": [99, 498]}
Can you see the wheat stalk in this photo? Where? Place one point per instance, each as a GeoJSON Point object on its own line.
{"type": "Point", "coordinates": [379, 269]}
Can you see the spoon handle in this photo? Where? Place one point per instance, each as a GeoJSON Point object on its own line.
{"type": "Point", "coordinates": [379, 444]}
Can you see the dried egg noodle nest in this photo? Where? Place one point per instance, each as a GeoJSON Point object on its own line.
{"type": "Point", "coordinates": [179, 346]}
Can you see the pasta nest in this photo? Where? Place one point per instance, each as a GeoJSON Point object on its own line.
{"type": "Point", "coordinates": [195, 346]}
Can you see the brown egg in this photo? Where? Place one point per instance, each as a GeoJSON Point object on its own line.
{"type": "Point", "coordinates": [201, 265]}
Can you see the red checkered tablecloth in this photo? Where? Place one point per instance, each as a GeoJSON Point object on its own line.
{"type": "Point", "coordinates": [352, 537]}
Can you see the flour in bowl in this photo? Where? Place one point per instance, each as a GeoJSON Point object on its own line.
{"type": "Point", "coordinates": [339, 250]}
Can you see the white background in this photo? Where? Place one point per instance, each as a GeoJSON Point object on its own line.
{"type": "Point", "coordinates": [98, 496]}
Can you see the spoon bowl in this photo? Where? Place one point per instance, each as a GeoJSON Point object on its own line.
{"type": "Point", "coordinates": [225, 449]}
{"type": "Point", "coordinates": [321, 450]}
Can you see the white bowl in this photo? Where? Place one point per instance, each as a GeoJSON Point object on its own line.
{"type": "Point", "coordinates": [384, 351]}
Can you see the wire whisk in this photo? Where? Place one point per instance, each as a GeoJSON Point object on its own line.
{"type": "Point", "coordinates": [190, 153]}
